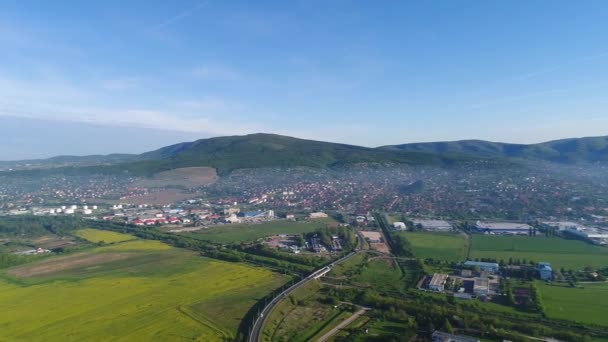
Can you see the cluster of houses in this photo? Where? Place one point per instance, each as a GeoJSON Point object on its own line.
{"type": "Point", "coordinates": [160, 220]}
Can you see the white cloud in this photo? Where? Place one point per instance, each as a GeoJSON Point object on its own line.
{"type": "Point", "coordinates": [210, 103]}
{"type": "Point", "coordinates": [61, 100]}
{"type": "Point", "coordinates": [214, 73]}
{"type": "Point", "coordinates": [119, 84]}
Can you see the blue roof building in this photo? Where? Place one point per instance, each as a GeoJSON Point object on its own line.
{"type": "Point", "coordinates": [545, 272]}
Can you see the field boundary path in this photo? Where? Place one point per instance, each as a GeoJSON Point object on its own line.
{"type": "Point", "coordinates": [256, 331]}
{"type": "Point", "coordinates": [342, 325]}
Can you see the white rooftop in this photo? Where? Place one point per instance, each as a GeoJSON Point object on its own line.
{"type": "Point", "coordinates": [429, 224]}
{"type": "Point", "coordinates": [503, 225]}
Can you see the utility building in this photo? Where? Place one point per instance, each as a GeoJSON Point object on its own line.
{"type": "Point", "coordinates": [438, 282]}
{"type": "Point", "coordinates": [491, 267]}
{"type": "Point", "coordinates": [545, 272]}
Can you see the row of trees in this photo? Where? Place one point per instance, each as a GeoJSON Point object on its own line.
{"type": "Point", "coordinates": [34, 226]}
{"type": "Point", "coordinates": [8, 260]}
{"type": "Point", "coordinates": [426, 313]}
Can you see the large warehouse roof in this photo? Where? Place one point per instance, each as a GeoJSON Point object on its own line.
{"type": "Point", "coordinates": [502, 226]}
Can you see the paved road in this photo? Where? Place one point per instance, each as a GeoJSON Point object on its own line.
{"type": "Point", "coordinates": [259, 322]}
{"type": "Point", "coordinates": [342, 325]}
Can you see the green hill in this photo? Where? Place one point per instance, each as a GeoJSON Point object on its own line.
{"type": "Point", "coordinates": [270, 150]}
{"type": "Point", "coordinates": [567, 151]}
{"type": "Point", "coordinates": [250, 151]}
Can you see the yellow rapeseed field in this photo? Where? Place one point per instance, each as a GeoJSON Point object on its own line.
{"type": "Point", "coordinates": [137, 245]}
{"type": "Point", "coordinates": [174, 295]}
{"type": "Point", "coordinates": [96, 235]}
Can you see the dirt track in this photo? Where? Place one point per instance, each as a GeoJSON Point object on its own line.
{"type": "Point", "coordinates": [342, 325]}
{"type": "Point", "coordinates": [55, 265]}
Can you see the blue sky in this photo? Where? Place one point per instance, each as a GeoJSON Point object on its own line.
{"type": "Point", "coordinates": [83, 77]}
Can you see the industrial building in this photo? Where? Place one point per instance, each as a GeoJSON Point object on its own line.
{"type": "Point", "coordinates": [257, 214]}
{"type": "Point", "coordinates": [561, 225]}
{"type": "Point", "coordinates": [477, 286]}
{"type": "Point", "coordinates": [596, 235]}
{"type": "Point", "coordinates": [318, 215]}
{"type": "Point", "coordinates": [481, 287]}
{"type": "Point", "coordinates": [503, 228]}
{"type": "Point", "coordinates": [399, 226]}
{"type": "Point", "coordinates": [545, 272]}
{"type": "Point", "coordinates": [437, 283]}
{"type": "Point", "coordinates": [491, 267]}
{"type": "Point", "coordinates": [433, 225]}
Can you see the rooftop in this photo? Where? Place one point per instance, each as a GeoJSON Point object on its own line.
{"type": "Point", "coordinates": [502, 225]}
{"type": "Point", "coordinates": [438, 279]}
{"type": "Point", "coordinates": [481, 263]}
{"type": "Point", "coordinates": [432, 223]}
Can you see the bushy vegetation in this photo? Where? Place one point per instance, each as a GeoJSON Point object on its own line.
{"type": "Point", "coordinates": [34, 226]}
{"type": "Point", "coordinates": [427, 312]}
{"type": "Point", "coordinates": [8, 260]}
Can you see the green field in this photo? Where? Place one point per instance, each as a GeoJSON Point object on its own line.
{"type": "Point", "coordinates": [96, 236]}
{"type": "Point", "coordinates": [585, 305]}
{"type": "Point", "coordinates": [569, 254]}
{"type": "Point", "coordinates": [394, 218]}
{"type": "Point", "coordinates": [371, 271]}
{"type": "Point", "coordinates": [131, 291]}
{"type": "Point", "coordinates": [296, 316]}
{"type": "Point", "coordinates": [438, 246]}
{"type": "Point", "coordinates": [386, 331]}
{"type": "Point", "coordinates": [236, 233]}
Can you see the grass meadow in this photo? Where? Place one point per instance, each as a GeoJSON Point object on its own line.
{"type": "Point", "coordinates": [372, 271]}
{"type": "Point", "coordinates": [439, 246]}
{"type": "Point", "coordinates": [588, 304]}
{"type": "Point", "coordinates": [135, 291]}
{"type": "Point", "coordinates": [569, 254]}
{"type": "Point", "coordinates": [236, 233]}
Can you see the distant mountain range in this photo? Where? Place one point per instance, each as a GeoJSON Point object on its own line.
{"type": "Point", "coordinates": [270, 150]}
{"type": "Point", "coordinates": [566, 151]}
